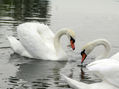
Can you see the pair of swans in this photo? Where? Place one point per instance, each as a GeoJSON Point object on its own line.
{"type": "Point", "coordinates": [38, 41]}
{"type": "Point", "coordinates": [106, 69]}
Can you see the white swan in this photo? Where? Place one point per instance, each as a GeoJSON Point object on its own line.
{"type": "Point", "coordinates": [106, 69]}
{"type": "Point", "coordinates": [38, 41]}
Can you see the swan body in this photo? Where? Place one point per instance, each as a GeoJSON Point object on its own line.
{"type": "Point", "coordinates": [107, 70]}
{"type": "Point", "coordinates": [38, 41]}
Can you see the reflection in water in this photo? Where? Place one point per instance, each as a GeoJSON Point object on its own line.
{"type": "Point", "coordinates": [31, 74]}
{"type": "Point", "coordinates": [32, 10]}
{"type": "Point", "coordinates": [82, 73]}
{"type": "Point", "coordinates": [25, 10]}
{"type": "Point", "coordinates": [37, 73]}
{"type": "Point", "coordinates": [87, 77]}
{"type": "Point", "coordinates": [7, 72]}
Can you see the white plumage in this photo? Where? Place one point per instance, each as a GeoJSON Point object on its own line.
{"type": "Point", "coordinates": [38, 41]}
{"type": "Point", "coordinates": [106, 69]}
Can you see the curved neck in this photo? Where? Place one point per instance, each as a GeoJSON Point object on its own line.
{"type": "Point", "coordinates": [57, 37]}
{"type": "Point", "coordinates": [106, 45]}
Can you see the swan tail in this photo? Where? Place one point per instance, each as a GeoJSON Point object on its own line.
{"type": "Point", "coordinates": [75, 84]}
{"type": "Point", "coordinates": [18, 47]}
{"type": "Point", "coordinates": [116, 56]}
{"type": "Point", "coordinates": [14, 43]}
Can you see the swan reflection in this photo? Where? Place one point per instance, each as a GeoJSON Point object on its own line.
{"type": "Point", "coordinates": [38, 73]}
{"type": "Point", "coordinates": [7, 72]}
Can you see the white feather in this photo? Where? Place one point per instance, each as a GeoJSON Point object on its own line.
{"type": "Point", "coordinates": [40, 42]}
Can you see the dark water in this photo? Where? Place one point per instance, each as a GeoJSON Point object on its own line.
{"type": "Point", "coordinates": [89, 19]}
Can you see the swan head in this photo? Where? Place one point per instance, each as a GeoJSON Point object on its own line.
{"type": "Point", "coordinates": [86, 50]}
{"type": "Point", "coordinates": [91, 45]}
{"type": "Point", "coordinates": [71, 36]}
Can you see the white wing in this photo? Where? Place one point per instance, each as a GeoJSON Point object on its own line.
{"type": "Point", "coordinates": [37, 38]}
{"type": "Point", "coordinates": [107, 70]}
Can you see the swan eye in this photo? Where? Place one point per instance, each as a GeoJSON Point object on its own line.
{"type": "Point", "coordinates": [72, 39]}
{"type": "Point", "coordinates": [82, 52]}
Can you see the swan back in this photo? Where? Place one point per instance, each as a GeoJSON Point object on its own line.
{"type": "Point", "coordinates": [37, 39]}
{"type": "Point", "coordinates": [116, 56]}
{"type": "Point", "coordinates": [35, 27]}
{"type": "Point", "coordinates": [107, 70]}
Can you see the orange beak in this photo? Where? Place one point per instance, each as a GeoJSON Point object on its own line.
{"type": "Point", "coordinates": [72, 44]}
{"type": "Point", "coordinates": [83, 57]}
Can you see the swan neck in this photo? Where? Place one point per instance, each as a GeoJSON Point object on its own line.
{"type": "Point", "coordinates": [58, 35]}
{"type": "Point", "coordinates": [107, 48]}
